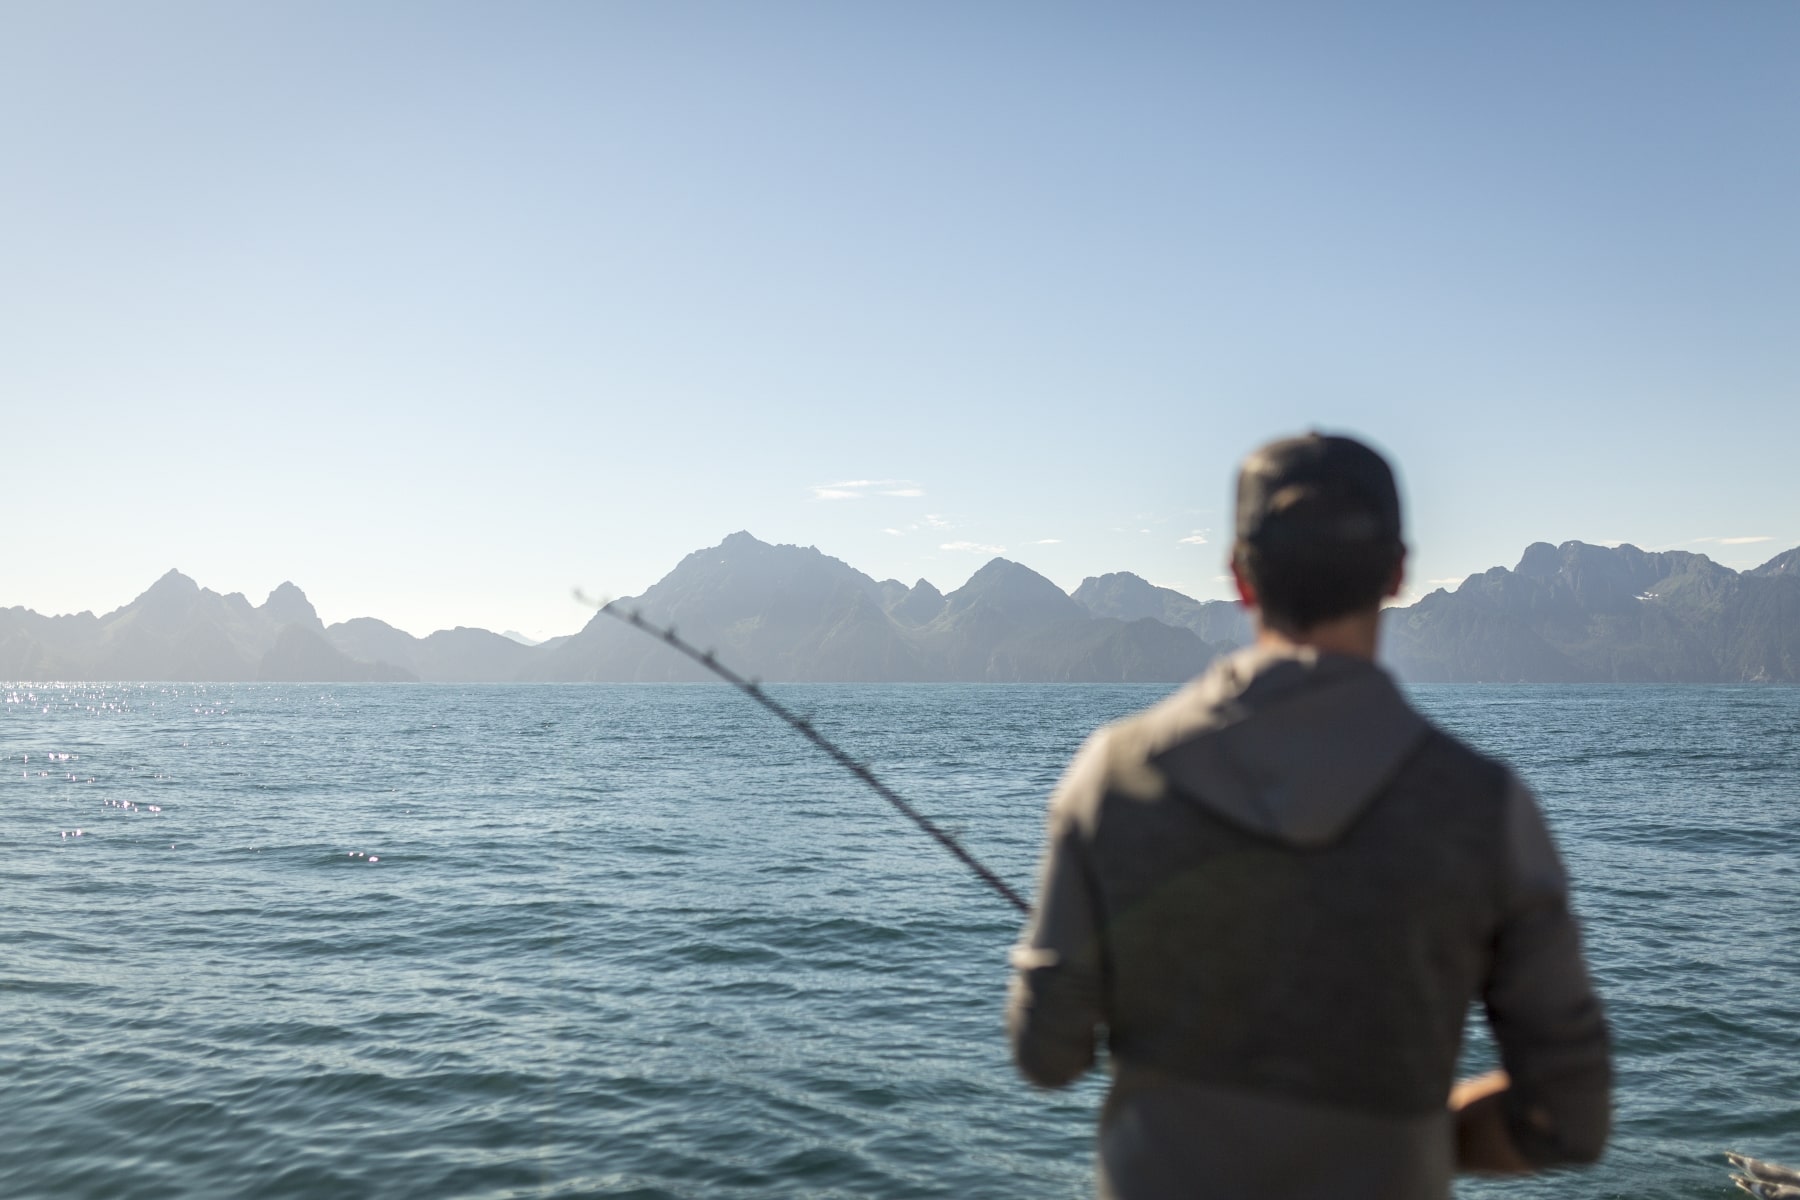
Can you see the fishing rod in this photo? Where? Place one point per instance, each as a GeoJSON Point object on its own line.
{"type": "Point", "coordinates": [754, 689]}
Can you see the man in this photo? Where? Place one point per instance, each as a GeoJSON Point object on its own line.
{"type": "Point", "coordinates": [1275, 894]}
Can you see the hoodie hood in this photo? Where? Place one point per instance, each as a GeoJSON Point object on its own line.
{"type": "Point", "coordinates": [1292, 744]}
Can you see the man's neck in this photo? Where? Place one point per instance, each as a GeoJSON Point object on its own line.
{"type": "Point", "coordinates": [1356, 635]}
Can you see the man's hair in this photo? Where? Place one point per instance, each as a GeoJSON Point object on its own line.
{"type": "Point", "coordinates": [1318, 529]}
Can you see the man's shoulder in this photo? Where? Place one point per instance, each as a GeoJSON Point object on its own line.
{"type": "Point", "coordinates": [1104, 766]}
{"type": "Point", "coordinates": [1442, 752]}
{"type": "Point", "coordinates": [1127, 762]}
{"type": "Point", "coordinates": [1115, 761]}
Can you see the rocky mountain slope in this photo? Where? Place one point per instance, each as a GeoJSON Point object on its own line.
{"type": "Point", "coordinates": [179, 630]}
{"type": "Point", "coordinates": [1129, 597]}
{"type": "Point", "coordinates": [460, 655]}
{"type": "Point", "coordinates": [1583, 613]}
{"type": "Point", "coordinates": [791, 612]}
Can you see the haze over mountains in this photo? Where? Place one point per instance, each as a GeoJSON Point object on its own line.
{"type": "Point", "coordinates": [1569, 613]}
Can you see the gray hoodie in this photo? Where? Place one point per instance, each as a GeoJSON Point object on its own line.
{"type": "Point", "coordinates": [1273, 897]}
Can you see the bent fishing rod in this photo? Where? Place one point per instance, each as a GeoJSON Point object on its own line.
{"type": "Point", "coordinates": [754, 689]}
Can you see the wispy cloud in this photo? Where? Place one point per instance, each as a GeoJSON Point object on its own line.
{"type": "Point", "coordinates": [1047, 542]}
{"type": "Point", "coordinates": [973, 547]}
{"type": "Point", "coordinates": [895, 532]}
{"type": "Point", "coordinates": [1196, 538]}
{"type": "Point", "coordinates": [934, 521]}
{"type": "Point", "coordinates": [857, 489]}
{"type": "Point", "coordinates": [1723, 541]}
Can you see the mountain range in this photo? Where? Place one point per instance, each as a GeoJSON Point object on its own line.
{"type": "Point", "coordinates": [1569, 613]}
{"type": "Point", "coordinates": [1578, 613]}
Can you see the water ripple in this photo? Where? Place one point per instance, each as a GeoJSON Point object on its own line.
{"type": "Point", "coordinates": [636, 942]}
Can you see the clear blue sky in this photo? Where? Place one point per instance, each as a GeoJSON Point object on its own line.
{"type": "Point", "coordinates": [441, 309]}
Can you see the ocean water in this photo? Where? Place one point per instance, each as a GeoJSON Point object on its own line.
{"type": "Point", "coordinates": [642, 941]}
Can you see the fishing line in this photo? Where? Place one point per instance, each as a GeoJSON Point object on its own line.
{"type": "Point", "coordinates": [754, 689]}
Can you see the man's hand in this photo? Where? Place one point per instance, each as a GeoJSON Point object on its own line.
{"type": "Point", "coordinates": [1482, 1141]}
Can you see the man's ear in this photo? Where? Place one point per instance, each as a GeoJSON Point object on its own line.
{"type": "Point", "coordinates": [1245, 589]}
{"type": "Point", "coordinates": [1397, 581]}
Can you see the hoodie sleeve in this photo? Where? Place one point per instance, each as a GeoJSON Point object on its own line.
{"type": "Point", "coordinates": [1541, 1005]}
{"type": "Point", "coordinates": [1054, 1012]}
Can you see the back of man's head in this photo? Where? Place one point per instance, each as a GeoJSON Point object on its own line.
{"type": "Point", "coordinates": [1318, 529]}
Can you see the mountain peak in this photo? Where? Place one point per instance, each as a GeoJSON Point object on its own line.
{"type": "Point", "coordinates": [1003, 568]}
{"type": "Point", "coordinates": [1125, 596]}
{"type": "Point", "coordinates": [1785, 563]}
{"type": "Point", "coordinates": [173, 583]}
{"type": "Point", "coordinates": [1539, 561]}
{"type": "Point", "coordinates": [1014, 590]}
{"type": "Point", "coordinates": [1117, 586]}
{"type": "Point", "coordinates": [288, 605]}
{"type": "Point", "coordinates": [919, 605]}
{"type": "Point", "coordinates": [168, 598]}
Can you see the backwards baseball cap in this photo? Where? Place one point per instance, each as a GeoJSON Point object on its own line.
{"type": "Point", "coordinates": [1318, 490]}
